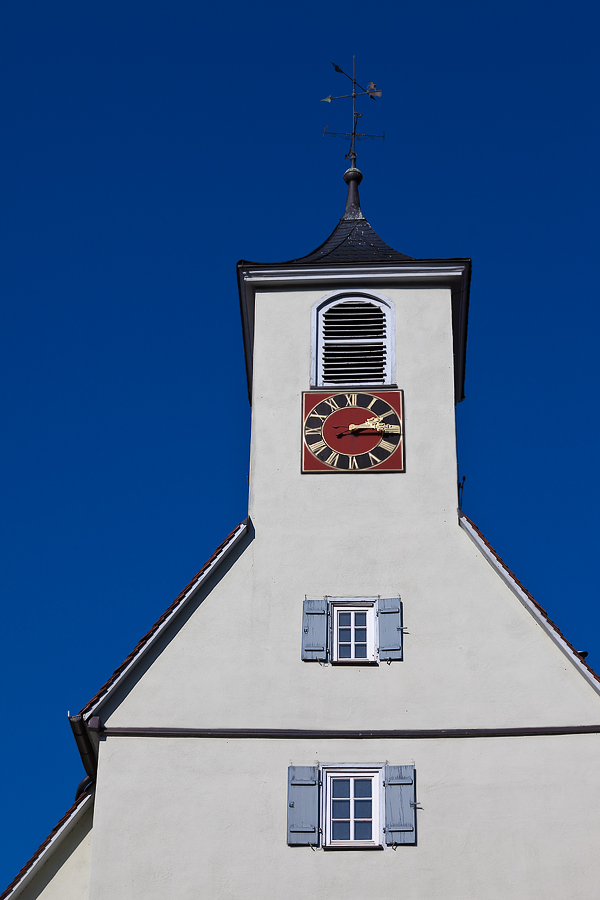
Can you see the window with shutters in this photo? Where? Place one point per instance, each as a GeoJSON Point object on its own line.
{"type": "Point", "coordinates": [349, 807]}
{"type": "Point", "coordinates": [353, 341]}
{"type": "Point", "coordinates": [353, 801]}
{"type": "Point", "coordinates": [352, 630]}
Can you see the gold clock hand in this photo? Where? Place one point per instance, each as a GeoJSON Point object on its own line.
{"type": "Point", "coordinates": [374, 422]}
{"type": "Point", "coordinates": [377, 424]}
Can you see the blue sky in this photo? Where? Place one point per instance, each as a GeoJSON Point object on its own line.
{"type": "Point", "coordinates": [149, 146]}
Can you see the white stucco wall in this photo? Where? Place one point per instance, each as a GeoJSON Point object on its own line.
{"type": "Point", "coordinates": [66, 873]}
{"type": "Point", "coordinates": [473, 656]}
{"type": "Point", "coordinates": [284, 503]}
{"type": "Point", "coordinates": [510, 817]}
{"type": "Point", "coordinates": [189, 818]}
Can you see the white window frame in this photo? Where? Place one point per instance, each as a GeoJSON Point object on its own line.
{"type": "Point", "coordinates": [355, 604]}
{"type": "Point", "coordinates": [322, 305]}
{"type": "Point", "coordinates": [354, 770]}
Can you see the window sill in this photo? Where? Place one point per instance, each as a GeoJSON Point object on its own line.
{"type": "Point", "coordinates": [388, 386]}
{"type": "Point", "coordinates": [353, 845]}
{"type": "Point", "coordinates": [354, 662]}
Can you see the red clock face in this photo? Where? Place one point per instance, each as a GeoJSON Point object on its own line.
{"type": "Point", "coordinates": [353, 432]}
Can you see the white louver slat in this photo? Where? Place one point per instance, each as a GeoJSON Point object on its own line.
{"type": "Point", "coordinates": [354, 343]}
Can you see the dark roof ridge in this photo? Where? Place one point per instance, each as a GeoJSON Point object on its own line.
{"type": "Point", "coordinates": [170, 609]}
{"type": "Point", "coordinates": [540, 609]}
{"type": "Point", "coordinates": [48, 840]}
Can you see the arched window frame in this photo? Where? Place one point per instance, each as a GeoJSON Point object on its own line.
{"type": "Point", "coordinates": [321, 307]}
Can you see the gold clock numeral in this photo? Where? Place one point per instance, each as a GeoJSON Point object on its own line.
{"type": "Point", "coordinates": [333, 459]}
{"type": "Point", "coordinates": [392, 429]}
{"type": "Point", "coordinates": [374, 400]}
{"type": "Point", "coordinates": [318, 447]}
{"type": "Point", "coordinates": [389, 448]}
{"type": "Point", "coordinates": [352, 463]}
{"type": "Point", "coordinates": [351, 399]}
{"type": "Point", "coordinates": [374, 459]}
{"type": "Point", "coordinates": [390, 412]}
{"type": "Point", "coordinates": [317, 415]}
{"type": "Point", "coordinates": [312, 430]}
{"type": "Point", "coordinates": [330, 401]}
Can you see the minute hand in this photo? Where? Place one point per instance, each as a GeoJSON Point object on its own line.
{"type": "Point", "coordinates": [377, 424]}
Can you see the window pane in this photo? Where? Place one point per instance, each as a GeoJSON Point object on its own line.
{"type": "Point", "coordinates": [360, 635]}
{"type": "Point", "coordinates": [362, 809]}
{"type": "Point", "coordinates": [341, 809]}
{"type": "Point", "coordinates": [345, 619]}
{"type": "Point", "coordinates": [362, 787]}
{"type": "Point", "coordinates": [344, 635]}
{"type": "Point", "coordinates": [345, 651]}
{"type": "Point", "coordinates": [360, 619]}
{"type": "Point", "coordinates": [340, 831]}
{"type": "Point", "coordinates": [362, 831]}
{"type": "Point", "coordinates": [360, 651]}
{"type": "Point", "coordinates": [341, 787]}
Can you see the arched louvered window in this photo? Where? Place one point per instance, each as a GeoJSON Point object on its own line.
{"type": "Point", "coordinates": [353, 342]}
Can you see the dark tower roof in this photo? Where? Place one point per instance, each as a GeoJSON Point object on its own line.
{"type": "Point", "coordinates": [354, 246]}
{"type": "Point", "coordinates": [353, 239]}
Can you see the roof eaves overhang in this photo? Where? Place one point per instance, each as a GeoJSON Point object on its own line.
{"type": "Point", "coordinates": [454, 273]}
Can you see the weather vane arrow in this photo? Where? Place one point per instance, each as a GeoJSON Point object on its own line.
{"type": "Point", "coordinates": [371, 91]}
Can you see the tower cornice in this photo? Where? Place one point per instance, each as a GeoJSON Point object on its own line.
{"type": "Point", "coordinates": [453, 273]}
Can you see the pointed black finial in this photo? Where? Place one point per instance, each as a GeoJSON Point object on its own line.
{"type": "Point", "coordinates": [353, 178]}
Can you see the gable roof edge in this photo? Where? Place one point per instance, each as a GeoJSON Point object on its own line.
{"type": "Point", "coordinates": [531, 605]}
{"type": "Point", "coordinates": [164, 621]}
{"type": "Point", "coordinates": [56, 836]}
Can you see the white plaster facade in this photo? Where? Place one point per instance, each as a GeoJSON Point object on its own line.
{"type": "Point", "coordinates": [511, 817]}
{"type": "Point", "coordinates": [191, 817]}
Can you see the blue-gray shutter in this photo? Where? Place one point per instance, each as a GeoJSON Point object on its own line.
{"type": "Point", "coordinates": [303, 805]}
{"type": "Point", "coordinates": [389, 611]}
{"type": "Point", "coordinates": [314, 629]}
{"type": "Point", "coordinates": [400, 804]}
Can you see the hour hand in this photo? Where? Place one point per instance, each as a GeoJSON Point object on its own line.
{"type": "Point", "coordinates": [377, 424]}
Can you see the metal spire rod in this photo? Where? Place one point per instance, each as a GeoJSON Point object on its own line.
{"type": "Point", "coordinates": [353, 144]}
{"type": "Point", "coordinates": [371, 91]}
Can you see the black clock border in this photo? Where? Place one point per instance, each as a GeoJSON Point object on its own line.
{"type": "Point", "coordinates": [370, 467]}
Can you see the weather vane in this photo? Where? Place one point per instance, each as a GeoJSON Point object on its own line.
{"type": "Point", "coordinates": [373, 92]}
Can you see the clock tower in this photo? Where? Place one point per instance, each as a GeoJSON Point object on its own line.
{"type": "Point", "coordinates": [355, 357]}
{"type": "Point", "coordinates": [355, 668]}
